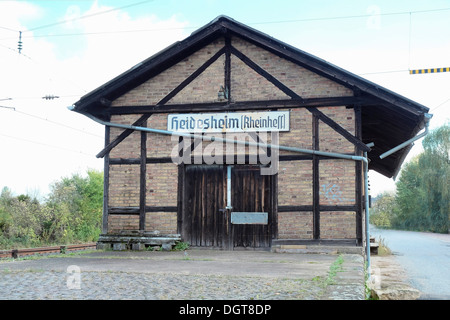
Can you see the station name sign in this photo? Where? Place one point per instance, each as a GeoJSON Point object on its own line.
{"type": "Point", "coordinates": [229, 122]}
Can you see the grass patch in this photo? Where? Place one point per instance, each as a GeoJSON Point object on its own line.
{"type": "Point", "coordinates": [334, 269]}
{"type": "Point", "coordinates": [180, 246]}
{"type": "Point", "coordinates": [329, 279]}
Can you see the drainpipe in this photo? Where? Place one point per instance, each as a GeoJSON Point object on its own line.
{"type": "Point", "coordinates": [366, 205]}
{"type": "Point", "coordinates": [229, 207]}
{"type": "Point", "coordinates": [427, 118]}
{"type": "Point", "coordinates": [258, 144]}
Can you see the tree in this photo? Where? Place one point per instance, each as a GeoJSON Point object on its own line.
{"type": "Point", "coordinates": [76, 206]}
{"type": "Point", "coordinates": [71, 213]}
{"type": "Point", "coordinates": [383, 209]}
{"type": "Point", "coordinates": [423, 189]}
{"type": "Point", "coordinates": [20, 219]}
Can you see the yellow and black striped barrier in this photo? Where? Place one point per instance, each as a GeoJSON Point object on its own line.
{"type": "Point", "coordinates": [432, 70]}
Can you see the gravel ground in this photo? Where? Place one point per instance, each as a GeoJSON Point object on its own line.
{"type": "Point", "coordinates": [203, 275]}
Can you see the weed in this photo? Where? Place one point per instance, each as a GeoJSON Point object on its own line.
{"type": "Point", "coordinates": [383, 249]}
{"type": "Point", "coordinates": [334, 269]}
{"type": "Point", "coordinates": [181, 246]}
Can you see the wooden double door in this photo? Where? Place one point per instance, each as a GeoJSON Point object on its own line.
{"type": "Point", "coordinates": [205, 219]}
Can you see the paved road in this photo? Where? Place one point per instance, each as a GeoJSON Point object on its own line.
{"type": "Point", "coordinates": [202, 274]}
{"type": "Point", "coordinates": [424, 256]}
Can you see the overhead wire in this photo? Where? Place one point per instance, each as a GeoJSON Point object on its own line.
{"type": "Point", "coordinates": [46, 145]}
{"type": "Point", "coordinates": [88, 16]}
{"type": "Point", "coordinates": [440, 105]}
{"type": "Point", "coordinates": [353, 16]}
{"type": "Point", "coordinates": [196, 27]}
{"type": "Point", "coordinates": [193, 27]}
{"type": "Point", "coordinates": [55, 122]}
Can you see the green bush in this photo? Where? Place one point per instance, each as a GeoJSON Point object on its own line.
{"type": "Point", "coordinates": [71, 213]}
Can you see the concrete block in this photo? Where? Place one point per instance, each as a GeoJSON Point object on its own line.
{"type": "Point", "coordinates": [138, 246]}
{"type": "Point", "coordinates": [166, 246]}
{"type": "Point", "coordinates": [119, 246]}
{"type": "Point", "coordinates": [103, 246]}
{"type": "Point", "coordinates": [292, 246]}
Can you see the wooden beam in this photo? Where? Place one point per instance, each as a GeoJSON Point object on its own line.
{"type": "Point", "coordinates": [124, 210]}
{"type": "Point", "coordinates": [335, 126]}
{"type": "Point", "coordinates": [316, 179]}
{"type": "Point", "coordinates": [122, 136]}
{"type": "Point", "coordinates": [295, 208]}
{"type": "Point", "coordinates": [265, 74]}
{"type": "Point", "coordinates": [161, 209]}
{"type": "Point", "coordinates": [142, 182]}
{"type": "Point", "coordinates": [358, 177]}
{"type": "Point", "coordinates": [310, 208]}
{"type": "Point", "coordinates": [274, 199]}
{"type": "Point", "coordinates": [171, 94]}
{"type": "Point", "coordinates": [338, 208]}
{"type": "Point", "coordinates": [156, 160]}
{"type": "Point", "coordinates": [137, 211]}
{"type": "Point", "coordinates": [106, 185]}
{"type": "Point", "coordinates": [118, 161]}
{"type": "Point", "coordinates": [236, 105]}
{"type": "Point", "coordinates": [180, 196]}
{"type": "Point", "coordinates": [228, 66]}
{"type": "Point", "coordinates": [304, 208]}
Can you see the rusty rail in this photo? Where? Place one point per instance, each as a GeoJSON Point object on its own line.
{"type": "Point", "coordinates": [16, 253]}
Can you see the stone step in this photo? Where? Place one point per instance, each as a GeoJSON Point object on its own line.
{"type": "Point", "coordinates": [137, 241]}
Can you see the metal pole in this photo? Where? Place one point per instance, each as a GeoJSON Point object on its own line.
{"type": "Point", "coordinates": [366, 203]}
{"type": "Point", "coordinates": [229, 207]}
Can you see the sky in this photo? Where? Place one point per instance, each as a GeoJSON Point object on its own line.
{"type": "Point", "coordinates": [70, 48]}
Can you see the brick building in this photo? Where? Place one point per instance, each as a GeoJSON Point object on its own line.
{"type": "Point", "coordinates": [231, 138]}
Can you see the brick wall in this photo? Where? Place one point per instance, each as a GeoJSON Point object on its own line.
{"type": "Point", "coordinates": [337, 182]}
{"type": "Point", "coordinates": [295, 183]}
{"type": "Point", "coordinates": [202, 89]}
{"type": "Point", "coordinates": [295, 225]}
{"type": "Point", "coordinates": [337, 225]}
{"type": "Point", "coordinates": [162, 184]}
{"type": "Point", "coordinates": [117, 223]}
{"type": "Point", "coordinates": [124, 185]}
{"type": "Point", "coordinates": [164, 222]}
{"type": "Point", "coordinates": [300, 80]}
{"type": "Point", "coordinates": [329, 140]}
{"type": "Point", "coordinates": [295, 186]}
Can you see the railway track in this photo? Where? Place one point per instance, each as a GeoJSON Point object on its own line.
{"type": "Point", "coordinates": [18, 253]}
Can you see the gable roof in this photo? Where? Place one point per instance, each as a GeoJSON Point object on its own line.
{"type": "Point", "coordinates": [387, 118]}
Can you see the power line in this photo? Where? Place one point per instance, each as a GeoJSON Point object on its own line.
{"type": "Point", "coordinates": [46, 145]}
{"type": "Point", "coordinates": [88, 16]}
{"type": "Point", "coordinates": [44, 69]}
{"type": "Point", "coordinates": [54, 122]}
{"type": "Point", "coordinates": [9, 29]}
{"type": "Point", "coordinates": [196, 27]}
{"type": "Point", "coordinates": [440, 105]}
{"type": "Point", "coordinates": [352, 16]}
{"type": "Point", "coordinates": [381, 72]}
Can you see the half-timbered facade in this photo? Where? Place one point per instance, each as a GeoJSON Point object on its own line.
{"type": "Point", "coordinates": [204, 140]}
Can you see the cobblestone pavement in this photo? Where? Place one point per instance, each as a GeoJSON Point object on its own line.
{"type": "Point", "coordinates": [201, 274]}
